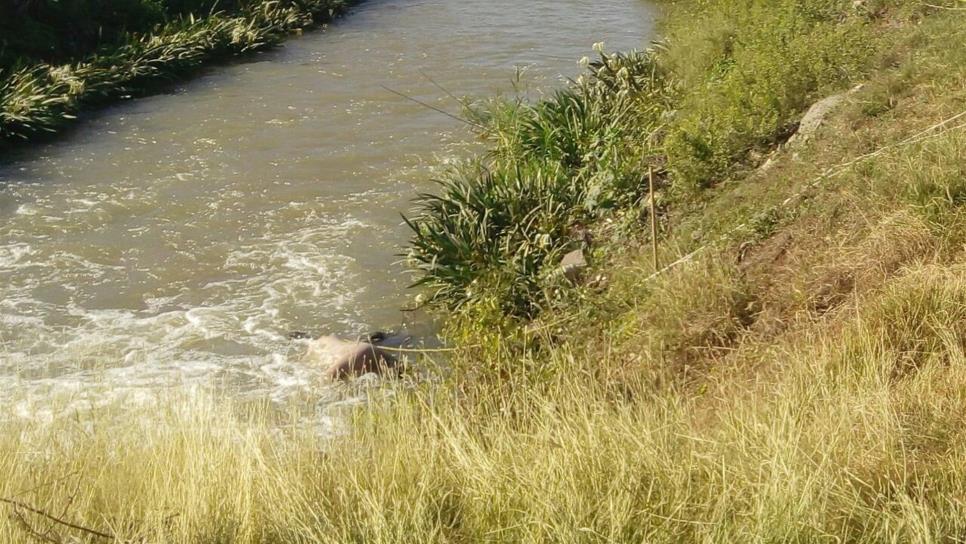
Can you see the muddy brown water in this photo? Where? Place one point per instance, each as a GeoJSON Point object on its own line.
{"type": "Point", "coordinates": [177, 239]}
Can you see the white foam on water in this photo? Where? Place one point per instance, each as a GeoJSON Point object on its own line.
{"type": "Point", "coordinates": [175, 242]}
{"type": "Point", "coordinates": [28, 209]}
{"type": "Point", "coordinates": [11, 255]}
{"type": "Point", "coordinates": [225, 334]}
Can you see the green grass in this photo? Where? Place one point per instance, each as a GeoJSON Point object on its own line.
{"type": "Point", "coordinates": [799, 380]}
{"type": "Point", "coordinates": [745, 81]}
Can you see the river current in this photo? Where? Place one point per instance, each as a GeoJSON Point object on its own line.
{"type": "Point", "coordinates": [177, 239]}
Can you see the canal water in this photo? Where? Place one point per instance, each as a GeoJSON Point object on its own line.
{"type": "Point", "coordinates": [177, 239]}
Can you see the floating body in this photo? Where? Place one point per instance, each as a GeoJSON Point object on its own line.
{"type": "Point", "coordinates": [346, 359]}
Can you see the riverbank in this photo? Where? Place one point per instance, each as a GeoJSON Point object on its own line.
{"type": "Point", "coordinates": [796, 375]}
{"type": "Point", "coordinates": [40, 99]}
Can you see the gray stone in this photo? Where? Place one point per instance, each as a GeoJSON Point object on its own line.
{"type": "Point", "coordinates": [573, 265]}
{"type": "Point", "coordinates": [816, 115]}
{"type": "Point", "coordinates": [810, 123]}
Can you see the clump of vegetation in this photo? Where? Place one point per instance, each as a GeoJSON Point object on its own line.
{"type": "Point", "coordinates": [567, 161]}
{"type": "Point", "coordinates": [41, 98]}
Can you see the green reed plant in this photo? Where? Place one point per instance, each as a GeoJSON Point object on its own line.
{"type": "Point", "coordinates": [491, 229]}
{"type": "Point", "coordinates": [499, 224]}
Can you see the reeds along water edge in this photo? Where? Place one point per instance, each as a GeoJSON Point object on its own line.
{"type": "Point", "coordinates": [42, 98]}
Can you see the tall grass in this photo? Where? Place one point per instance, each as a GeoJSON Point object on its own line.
{"type": "Point", "coordinates": [849, 436]}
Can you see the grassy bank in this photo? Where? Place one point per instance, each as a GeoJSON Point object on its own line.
{"type": "Point", "coordinates": [38, 98]}
{"type": "Point", "coordinates": [798, 378]}
{"type": "Point", "coordinates": [724, 87]}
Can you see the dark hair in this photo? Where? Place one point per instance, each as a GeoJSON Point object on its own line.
{"type": "Point", "coordinates": [375, 337]}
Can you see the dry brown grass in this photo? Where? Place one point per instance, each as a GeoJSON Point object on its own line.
{"type": "Point", "coordinates": [854, 434]}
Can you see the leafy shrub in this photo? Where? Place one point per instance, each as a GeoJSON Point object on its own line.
{"type": "Point", "coordinates": [745, 82]}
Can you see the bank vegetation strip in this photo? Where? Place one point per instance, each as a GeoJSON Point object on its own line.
{"type": "Point", "coordinates": [38, 98]}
